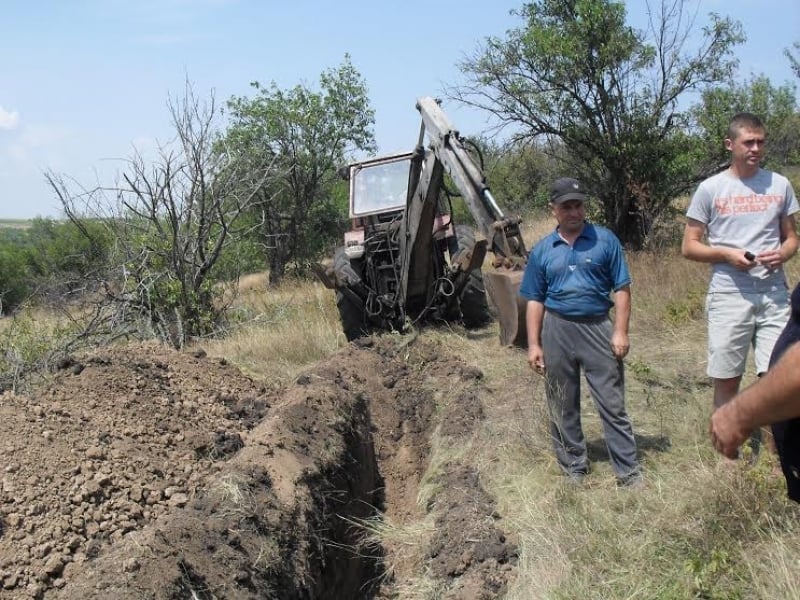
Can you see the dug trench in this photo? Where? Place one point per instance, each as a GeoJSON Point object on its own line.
{"type": "Point", "coordinates": [144, 472]}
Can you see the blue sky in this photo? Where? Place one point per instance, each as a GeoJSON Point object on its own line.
{"type": "Point", "coordinates": [83, 82]}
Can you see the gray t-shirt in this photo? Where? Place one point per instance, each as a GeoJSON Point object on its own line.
{"type": "Point", "coordinates": [746, 214]}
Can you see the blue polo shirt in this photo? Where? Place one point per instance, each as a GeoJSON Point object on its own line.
{"type": "Point", "coordinates": [577, 280]}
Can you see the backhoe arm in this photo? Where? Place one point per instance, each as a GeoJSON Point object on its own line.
{"type": "Point", "coordinates": [446, 152]}
{"type": "Point", "coordinates": [445, 142]}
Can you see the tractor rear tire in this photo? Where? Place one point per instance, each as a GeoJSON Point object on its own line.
{"type": "Point", "coordinates": [351, 316]}
{"type": "Point", "coordinates": [474, 305]}
{"type": "Point", "coordinates": [351, 313]}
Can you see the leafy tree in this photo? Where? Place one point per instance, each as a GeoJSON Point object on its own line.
{"type": "Point", "coordinates": [14, 276]}
{"type": "Point", "coordinates": [575, 73]}
{"type": "Point", "coordinates": [64, 256]}
{"type": "Point", "coordinates": [306, 134]}
{"type": "Point", "coordinates": [519, 175]}
{"type": "Point", "coordinates": [48, 261]}
{"type": "Point", "coordinates": [244, 255]}
{"type": "Point", "coordinates": [776, 106]}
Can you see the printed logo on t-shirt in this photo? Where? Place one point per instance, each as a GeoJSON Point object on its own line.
{"type": "Point", "coordinates": [754, 203]}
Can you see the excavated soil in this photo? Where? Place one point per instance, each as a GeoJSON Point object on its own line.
{"type": "Point", "coordinates": [146, 473]}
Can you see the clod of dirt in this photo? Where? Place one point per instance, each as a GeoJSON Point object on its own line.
{"type": "Point", "coordinates": [152, 473]}
{"type": "Point", "coordinates": [469, 546]}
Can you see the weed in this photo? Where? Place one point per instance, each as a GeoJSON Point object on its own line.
{"type": "Point", "coordinates": [639, 368]}
{"type": "Point", "coordinates": [708, 571]}
{"type": "Point", "coordinates": [30, 347]}
{"type": "Point", "coordinates": [696, 530]}
{"type": "Point", "coordinates": [682, 311]}
{"type": "Point", "coordinates": [269, 553]}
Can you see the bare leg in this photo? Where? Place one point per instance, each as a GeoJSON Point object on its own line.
{"type": "Point", "coordinates": [725, 389]}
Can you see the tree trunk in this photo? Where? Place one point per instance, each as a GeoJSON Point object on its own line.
{"type": "Point", "coordinates": [632, 227]}
{"type": "Point", "coordinates": [628, 220]}
{"type": "Point", "coordinates": [277, 269]}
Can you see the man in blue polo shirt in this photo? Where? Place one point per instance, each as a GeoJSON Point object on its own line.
{"type": "Point", "coordinates": [569, 282]}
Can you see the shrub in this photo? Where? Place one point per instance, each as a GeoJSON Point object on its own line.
{"type": "Point", "coordinates": [30, 346]}
{"type": "Point", "coordinates": [683, 310]}
{"type": "Point", "coordinates": [14, 287]}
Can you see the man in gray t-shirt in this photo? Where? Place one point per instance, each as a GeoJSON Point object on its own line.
{"type": "Point", "coordinates": [744, 214]}
{"type": "Point", "coordinates": [742, 222]}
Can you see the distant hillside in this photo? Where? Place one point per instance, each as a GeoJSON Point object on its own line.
{"type": "Point", "coordinates": [15, 223]}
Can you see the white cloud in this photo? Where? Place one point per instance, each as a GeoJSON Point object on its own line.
{"type": "Point", "coordinates": [8, 120]}
{"type": "Point", "coordinates": [36, 141]}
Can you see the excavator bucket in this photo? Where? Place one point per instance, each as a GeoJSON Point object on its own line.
{"type": "Point", "coordinates": [502, 285]}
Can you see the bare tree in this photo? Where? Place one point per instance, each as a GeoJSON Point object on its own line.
{"type": "Point", "coordinates": [172, 218]}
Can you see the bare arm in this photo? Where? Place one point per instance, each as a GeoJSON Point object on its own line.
{"type": "Point", "coordinates": [772, 259]}
{"type": "Point", "coordinates": [620, 343]}
{"type": "Point", "coordinates": [789, 236]}
{"type": "Point", "coordinates": [694, 248]}
{"type": "Point", "coordinates": [534, 315]}
{"type": "Point", "coordinates": [774, 397]}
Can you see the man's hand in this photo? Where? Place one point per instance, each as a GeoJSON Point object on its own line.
{"type": "Point", "coordinates": [771, 259]}
{"type": "Point", "coordinates": [620, 344]}
{"type": "Point", "coordinates": [536, 358]}
{"type": "Point", "coordinates": [738, 259]}
{"type": "Point", "coordinates": [727, 429]}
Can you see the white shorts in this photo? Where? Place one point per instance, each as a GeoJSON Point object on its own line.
{"type": "Point", "coordinates": [737, 320]}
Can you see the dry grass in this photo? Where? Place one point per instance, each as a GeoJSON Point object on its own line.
{"type": "Point", "coordinates": [281, 331]}
{"type": "Point", "coordinates": [234, 497]}
{"type": "Point", "coordinates": [698, 529]}
{"type": "Point", "coordinates": [31, 341]}
{"type": "Point", "coordinates": [404, 547]}
{"type": "Point", "coordinates": [536, 227]}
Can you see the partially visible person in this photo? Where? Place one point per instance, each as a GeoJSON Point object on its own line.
{"type": "Point", "coordinates": [746, 215]}
{"type": "Point", "coordinates": [568, 283]}
{"type": "Point", "coordinates": [774, 399]}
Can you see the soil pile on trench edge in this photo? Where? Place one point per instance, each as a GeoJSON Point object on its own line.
{"type": "Point", "coordinates": [144, 472]}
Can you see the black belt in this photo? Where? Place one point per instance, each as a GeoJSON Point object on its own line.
{"type": "Point", "coordinates": [579, 318]}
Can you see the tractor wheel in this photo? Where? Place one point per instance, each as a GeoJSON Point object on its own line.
{"type": "Point", "coordinates": [352, 317]}
{"type": "Point", "coordinates": [351, 313]}
{"type": "Point", "coordinates": [474, 306]}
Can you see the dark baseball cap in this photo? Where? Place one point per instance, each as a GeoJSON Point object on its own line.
{"type": "Point", "coordinates": [565, 189]}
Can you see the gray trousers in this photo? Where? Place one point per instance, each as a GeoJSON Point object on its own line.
{"type": "Point", "coordinates": [568, 347]}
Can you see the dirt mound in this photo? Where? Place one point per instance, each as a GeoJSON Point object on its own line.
{"type": "Point", "coordinates": [143, 472]}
